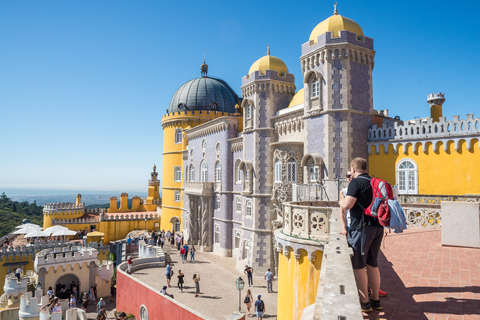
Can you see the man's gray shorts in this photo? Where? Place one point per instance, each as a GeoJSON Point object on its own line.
{"type": "Point", "coordinates": [371, 246]}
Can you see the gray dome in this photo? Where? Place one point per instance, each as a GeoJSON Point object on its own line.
{"type": "Point", "coordinates": [204, 93]}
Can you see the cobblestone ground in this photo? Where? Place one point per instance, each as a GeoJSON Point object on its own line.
{"type": "Point", "coordinates": [219, 296]}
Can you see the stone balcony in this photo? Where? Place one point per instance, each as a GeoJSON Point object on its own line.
{"type": "Point", "coordinates": [307, 219]}
{"type": "Point", "coordinates": [199, 188]}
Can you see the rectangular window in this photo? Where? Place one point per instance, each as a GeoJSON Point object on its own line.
{"type": "Point", "coordinates": [314, 173]}
{"type": "Point", "coordinates": [249, 111]}
{"type": "Point", "coordinates": [237, 239]}
{"type": "Point", "coordinates": [177, 196]}
{"type": "Point", "coordinates": [217, 233]}
{"type": "Point", "coordinates": [247, 175]}
{"type": "Point", "coordinates": [292, 172]}
{"type": "Point", "coordinates": [239, 205]}
{"type": "Point", "coordinates": [177, 176]}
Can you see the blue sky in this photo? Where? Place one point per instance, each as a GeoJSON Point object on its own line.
{"type": "Point", "coordinates": [83, 84]}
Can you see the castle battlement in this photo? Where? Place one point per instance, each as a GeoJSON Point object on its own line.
{"type": "Point", "coordinates": [30, 306]}
{"type": "Point", "coordinates": [74, 221]}
{"type": "Point", "coordinates": [14, 287]}
{"type": "Point", "coordinates": [126, 216]}
{"type": "Point", "coordinates": [77, 254]}
{"type": "Point", "coordinates": [422, 129]}
{"type": "Point", "coordinates": [64, 206]}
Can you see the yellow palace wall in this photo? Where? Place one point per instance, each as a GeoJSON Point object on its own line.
{"type": "Point", "coordinates": [440, 173]}
{"type": "Point", "coordinates": [297, 284]}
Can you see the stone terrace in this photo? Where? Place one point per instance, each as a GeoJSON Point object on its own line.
{"type": "Point", "coordinates": [219, 296]}
{"type": "Point", "coordinates": [425, 280]}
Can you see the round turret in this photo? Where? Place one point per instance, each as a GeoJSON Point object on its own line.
{"type": "Point", "coordinates": [436, 100]}
{"type": "Point", "coordinates": [269, 62]}
{"type": "Point", "coordinates": [335, 24]}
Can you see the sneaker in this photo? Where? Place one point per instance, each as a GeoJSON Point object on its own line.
{"type": "Point", "coordinates": [382, 293]}
{"type": "Point", "coordinates": [376, 304]}
{"type": "Point", "coordinates": [366, 307]}
{"type": "Point", "coordinates": [179, 290]}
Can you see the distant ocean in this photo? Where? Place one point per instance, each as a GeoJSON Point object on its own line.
{"type": "Point", "coordinates": [43, 196]}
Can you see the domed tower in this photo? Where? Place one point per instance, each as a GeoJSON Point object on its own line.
{"type": "Point", "coordinates": [337, 64]}
{"type": "Point", "coordinates": [195, 102]}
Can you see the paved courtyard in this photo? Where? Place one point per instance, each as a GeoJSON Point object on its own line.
{"type": "Point", "coordinates": [219, 296]}
{"type": "Point", "coordinates": [427, 281]}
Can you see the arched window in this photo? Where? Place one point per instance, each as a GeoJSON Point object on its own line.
{"type": "Point", "coordinates": [176, 226]}
{"type": "Point", "coordinates": [249, 111]}
{"type": "Point", "coordinates": [186, 174]}
{"type": "Point", "coordinates": [177, 174]}
{"type": "Point", "coordinates": [192, 173]}
{"type": "Point", "coordinates": [246, 250]}
{"type": "Point", "coordinates": [239, 205]}
{"type": "Point", "coordinates": [217, 233]}
{"type": "Point", "coordinates": [238, 236]}
{"type": "Point", "coordinates": [217, 202]}
{"type": "Point", "coordinates": [218, 171]}
{"type": "Point", "coordinates": [178, 135]}
{"type": "Point", "coordinates": [238, 172]}
{"type": "Point", "coordinates": [249, 209]}
{"type": "Point", "coordinates": [314, 173]}
{"type": "Point", "coordinates": [291, 171]}
{"type": "Point", "coordinates": [278, 170]}
{"type": "Point", "coordinates": [203, 172]}
{"type": "Point", "coordinates": [247, 175]}
{"type": "Point", "coordinates": [315, 87]}
{"type": "Point", "coordinates": [407, 177]}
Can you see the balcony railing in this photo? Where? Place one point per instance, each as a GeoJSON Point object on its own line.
{"type": "Point", "coordinates": [199, 188]}
{"type": "Point", "coordinates": [307, 219]}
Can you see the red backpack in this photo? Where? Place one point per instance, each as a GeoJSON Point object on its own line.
{"type": "Point", "coordinates": [379, 209]}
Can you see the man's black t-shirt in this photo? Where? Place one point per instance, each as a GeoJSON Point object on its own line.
{"type": "Point", "coordinates": [360, 189]}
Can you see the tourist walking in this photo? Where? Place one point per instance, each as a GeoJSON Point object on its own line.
{"type": "Point", "coordinates": [85, 301]}
{"type": "Point", "coordinates": [260, 308]}
{"type": "Point", "coordinates": [182, 253]}
{"type": "Point", "coordinates": [100, 304]}
{"type": "Point", "coordinates": [192, 253]}
{"type": "Point", "coordinates": [180, 281]}
{"type": "Point", "coordinates": [73, 301]}
{"type": "Point", "coordinates": [249, 272]}
{"type": "Point", "coordinates": [129, 264]}
{"type": "Point", "coordinates": [91, 295]}
{"type": "Point", "coordinates": [179, 242]}
{"type": "Point", "coordinates": [196, 279]}
{"type": "Point", "coordinates": [248, 300]}
{"type": "Point", "coordinates": [113, 293]}
{"type": "Point", "coordinates": [186, 252]}
{"type": "Point", "coordinates": [169, 273]}
{"type": "Point", "coordinates": [269, 278]}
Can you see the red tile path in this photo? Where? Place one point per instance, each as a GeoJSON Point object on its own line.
{"type": "Point", "coordinates": [425, 280]}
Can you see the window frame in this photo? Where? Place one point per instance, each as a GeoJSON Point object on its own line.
{"type": "Point", "coordinates": [203, 171]}
{"type": "Point", "coordinates": [315, 87]}
{"type": "Point", "coordinates": [238, 239]}
{"type": "Point", "coordinates": [217, 202]}
{"type": "Point", "coordinates": [277, 176]}
{"type": "Point", "coordinates": [216, 234]}
{"type": "Point", "coordinates": [292, 177]}
{"type": "Point", "coordinates": [238, 207]}
{"type": "Point", "coordinates": [177, 174]}
{"type": "Point", "coordinates": [403, 184]}
{"type": "Point", "coordinates": [191, 173]}
{"type": "Point", "coordinates": [177, 196]}
{"type": "Point", "coordinates": [178, 136]}
{"type": "Point", "coordinates": [218, 171]}
{"type": "Point", "coordinates": [248, 209]}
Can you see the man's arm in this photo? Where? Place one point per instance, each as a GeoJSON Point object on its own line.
{"type": "Point", "coordinates": [348, 202]}
{"type": "Point", "coordinates": [343, 215]}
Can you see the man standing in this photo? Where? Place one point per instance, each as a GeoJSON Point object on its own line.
{"type": "Point", "coordinates": [168, 273]}
{"type": "Point", "coordinates": [129, 264]}
{"type": "Point", "coordinates": [249, 272]}
{"type": "Point", "coordinates": [365, 235]}
{"type": "Point", "coordinates": [345, 214]}
{"type": "Point", "coordinates": [259, 308]}
{"type": "Point", "coordinates": [269, 278]}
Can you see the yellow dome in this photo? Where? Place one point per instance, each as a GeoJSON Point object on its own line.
{"type": "Point", "coordinates": [269, 62]}
{"type": "Point", "coordinates": [298, 98]}
{"type": "Point", "coordinates": [335, 23]}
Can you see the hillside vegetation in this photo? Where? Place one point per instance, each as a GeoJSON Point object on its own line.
{"type": "Point", "coordinates": [12, 214]}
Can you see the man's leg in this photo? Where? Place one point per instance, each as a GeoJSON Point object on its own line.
{"type": "Point", "coordinates": [362, 284]}
{"type": "Point", "coordinates": [373, 280]}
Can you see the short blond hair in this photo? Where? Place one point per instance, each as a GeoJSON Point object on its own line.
{"type": "Point", "coordinates": [359, 164]}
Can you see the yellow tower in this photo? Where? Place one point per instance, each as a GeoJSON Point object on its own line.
{"type": "Point", "coordinates": [436, 100]}
{"type": "Point", "coordinates": [195, 102]}
{"type": "Point", "coordinates": [153, 197]}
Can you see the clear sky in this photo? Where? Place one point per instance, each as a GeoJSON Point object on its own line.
{"type": "Point", "coordinates": [84, 84]}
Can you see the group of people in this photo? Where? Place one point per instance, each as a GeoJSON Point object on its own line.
{"type": "Point", "coordinates": [259, 305]}
{"type": "Point", "coordinates": [364, 234]}
{"type": "Point", "coordinates": [169, 273]}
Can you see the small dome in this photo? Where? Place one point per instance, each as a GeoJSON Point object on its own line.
{"type": "Point", "coordinates": [269, 62]}
{"type": "Point", "coordinates": [335, 23]}
{"type": "Point", "coordinates": [298, 98]}
{"type": "Point", "coordinates": [204, 93]}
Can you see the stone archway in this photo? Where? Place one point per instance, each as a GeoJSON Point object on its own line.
{"type": "Point", "coordinates": [66, 280]}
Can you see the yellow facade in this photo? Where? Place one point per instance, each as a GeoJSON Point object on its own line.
{"type": "Point", "coordinates": [297, 283]}
{"type": "Point", "coordinates": [173, 157]}
{"type": "Point", "coordinates": [442, 172]}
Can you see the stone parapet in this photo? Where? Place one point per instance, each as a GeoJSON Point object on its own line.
{"type": "Point", "coordinates": [30, 306]}
{"type": "Point", "coordinates": [64, 257]}
{"type": "Point", "coordinates": [307, 220]}
{"type": "Point", "coordinates": [14, 287]}
{"type": "Point", "coordinates": [149, 251]}
{"type": "Point", "coordinates": [435, 198]}
{"type": "Point", "coordinates": [42, 245]}
{"type": "Point", "coordinates": [64, 206]}
{"type": "Point", "coordinates": [425, 130]}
